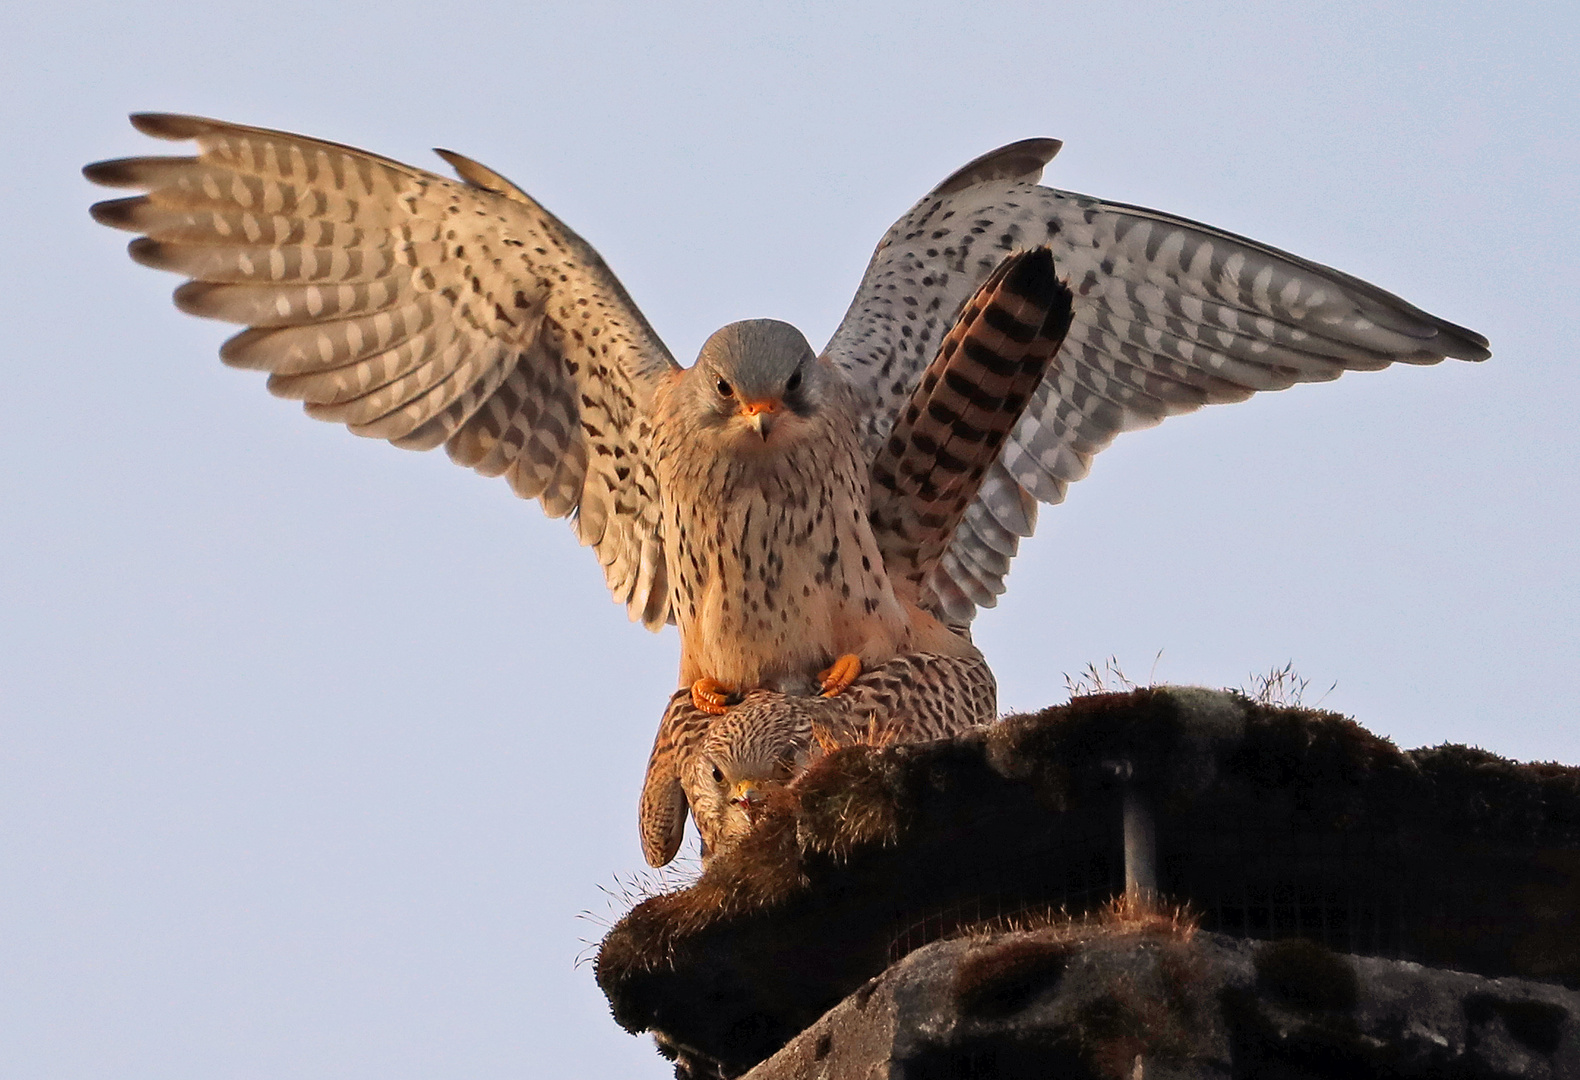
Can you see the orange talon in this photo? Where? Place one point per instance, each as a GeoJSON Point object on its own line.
{"type": "Point", "coordinates": [711, 696]}
{"type": "Point", "coordinates": [841, 675]}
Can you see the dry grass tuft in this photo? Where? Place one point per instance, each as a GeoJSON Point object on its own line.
{"type": "Point", "coordinates": [1282, 686]}
{"type": "Point", "coordinates": [1144, 915]}
{"type": "Point", "coordinates": [1038, 938]}
{"type": "Point", "coordinates": [1277, 686]}
{"type": "Point", "coordinates": [1109, 679]}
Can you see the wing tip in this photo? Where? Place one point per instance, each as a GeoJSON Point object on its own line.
{"type": "Point", "coordinates": [1023, 160]}
{"type": "Point", "coordinates": [146, 251]}
{"type": "Point", "coordinates": [1464, 344]}
{"type": "Point", "coordinates": [1032, 274]}
{"type": "Point", "coordinates": [172, 126]}
{"type": "Point", "coordinates": [114, 173]}
{"type": "Point", "coordinates": [479, 175]}
{"type": "Point", "coordinates": [115, 213]}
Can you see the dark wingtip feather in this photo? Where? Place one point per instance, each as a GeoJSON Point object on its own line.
{"type": "Point", "coordinates": [1463, 344]}
{"type": "Point", "coordinates": [1061, 312]}
{"type": "Point", "coordinates": [117, 172]}
{"type": "Point", "coordinates": [116, 213]}
{"type": "Point", "coordinates": [1035, 277]}
{"type": "Point", "coordinates": [171, 126]}
{"type": "Point", "coordinates": [237, 351]}
{"type": "Point", "coordinates": [148, 252]}
{"type": "Point", "coordinates": [1032, 273]}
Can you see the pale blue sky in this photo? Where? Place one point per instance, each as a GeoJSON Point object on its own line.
{"type": "Point", "coordinates": [313, 749]}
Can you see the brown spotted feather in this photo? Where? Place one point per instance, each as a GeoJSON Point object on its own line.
{"type": "Point", "coordinates": [950, 434]}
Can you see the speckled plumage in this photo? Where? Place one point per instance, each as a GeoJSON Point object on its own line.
{"type": "Point", "coordinates": [773, 565]}
{"type": "Point", "coordinates": [431, 311]}
{"type": "Point", "coordinates": [425, 311]}
{"type": "Point", "coordinates": [720, 767]}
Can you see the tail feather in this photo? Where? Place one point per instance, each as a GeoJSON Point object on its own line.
{"type": "Point", "coordinates": [971, 396]}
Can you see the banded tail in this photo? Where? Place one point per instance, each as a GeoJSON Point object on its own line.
{"type": "Point", "coordinates": [970, 398]}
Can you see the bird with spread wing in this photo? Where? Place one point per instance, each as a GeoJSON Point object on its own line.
{"type": "Point", "coordinates": [754, 499]}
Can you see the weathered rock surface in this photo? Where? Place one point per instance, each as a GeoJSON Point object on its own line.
{"type": "Point", "coordinates": [1117, 1005]}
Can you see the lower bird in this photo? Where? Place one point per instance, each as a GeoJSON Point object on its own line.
{"type": "Point", "coordinates": [725, 767]}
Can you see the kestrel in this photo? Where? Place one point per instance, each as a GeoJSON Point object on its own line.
{"type": "Point", "coordinates": [428, 311]}
{"type": "Point", "coordinates": [924, 476]}
{"type": "Point", "coordinates": [723, 767]}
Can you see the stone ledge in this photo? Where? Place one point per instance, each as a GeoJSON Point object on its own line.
{"type": "Point", "coordinates": [1116, 1003]}
{"type": "Point", "coordinates": [1270, 823]}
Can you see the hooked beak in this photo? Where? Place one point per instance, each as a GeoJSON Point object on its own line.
{"type": "Point", "coordinates": [746, 796]}
{"type": "Point", "coordinates": [760, 415]}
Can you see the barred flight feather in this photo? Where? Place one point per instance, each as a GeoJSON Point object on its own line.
{"type": "Point", "coordinates": [415, 309]}
{"type": "Point", "coordinates": [428, 311]}
{"type": "Point", "coordinates": [949, 435]}
{"type": "Point", "coordinates": [1169, 315]}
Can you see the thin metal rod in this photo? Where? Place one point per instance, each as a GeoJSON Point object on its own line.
{"type": "Point", "coordinates": [1141, 855]}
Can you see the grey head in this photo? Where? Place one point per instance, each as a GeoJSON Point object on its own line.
{"type": "Point", "coordinates": [760, 371]}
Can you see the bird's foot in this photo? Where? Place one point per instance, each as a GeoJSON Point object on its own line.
{"type": "Point", "coordinates": [841, 675]}
{"type": "Point", "coordinates": [711, 696]}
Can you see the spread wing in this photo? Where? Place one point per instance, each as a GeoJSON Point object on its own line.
{"type": "Point", "coordinates": [1170, 315]}
{"type": "Point", "coordinates": [421, 310]}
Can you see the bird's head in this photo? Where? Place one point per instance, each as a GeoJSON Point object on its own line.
{"type": "Point", "coordinates": [758, 380]}
{"type": "Point", "coordinates": [749, 754]}
{"type": "Point", "coordinates": [740, 778]}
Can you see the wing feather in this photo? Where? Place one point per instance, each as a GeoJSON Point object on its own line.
{"type": "Point", "coordinates": [420, 310]}
{"type": "Point", "coordinates": [1169, 315]}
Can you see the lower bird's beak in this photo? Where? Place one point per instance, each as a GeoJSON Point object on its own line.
{"type": "Point", "coordinates": [746, 796]}
{"type": "Point", "coordinates": [760, 415]}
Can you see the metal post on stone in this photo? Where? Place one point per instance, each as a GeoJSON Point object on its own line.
{"type": "Point", "coordinates": [1140, 837]}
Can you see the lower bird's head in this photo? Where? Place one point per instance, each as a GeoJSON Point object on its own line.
{"type": "Point", "coordinates": [739, 783]}
{"type": "Point", "coordinates": [757, 381]}
{"type": "Point", "coordinates": [749, 754]}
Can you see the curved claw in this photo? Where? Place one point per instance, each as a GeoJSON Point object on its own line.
{"type": "Point", "coordinates": [711, 696]}
{"type": "Point", "coordinates": [841, 674]}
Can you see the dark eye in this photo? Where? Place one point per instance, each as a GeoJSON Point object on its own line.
{"type": "Point", "coordinates": [725, 389]}
{"type": "Point", "coordinates": [718, 775]}
{"type": "Point", "coordinates": [795, 380]}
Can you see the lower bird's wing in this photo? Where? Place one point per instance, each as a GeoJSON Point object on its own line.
{"type": "Point", "coordinates": [661, 811]}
